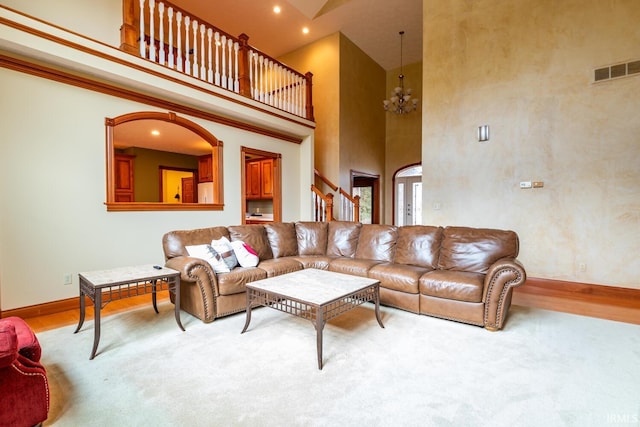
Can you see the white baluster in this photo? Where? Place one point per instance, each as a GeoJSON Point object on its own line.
{"type": "Point", "coordinates": [280, 87]}
{"type": "Point", "coordinates": [297, 110]}
{"type": "Point", "coordinates": [210, 53]}
{"type": "Point", "coordinates": [152, 36]}
{"type": "Point", "coordinates": [256, 75]}
{"type": "Point", "coordinates": [172, 58]}
{"type": "Point", "coordinates": [179, 45]}
{"type": "Point", "coordinates": [303, 113]}
{"type": "Point", "coordinates": [161, 21]}
{"type": "Point", "coordinates": [236, 80]}
{"type": "Point", "coordinates": [251, 72]}
{"type": "Point", "coordinates": [224, 62]}
{"type": "Point", "coordinates": [143, 43]}
{"type": "Point", "coordinates": [194, 26]}
{"type": "Point", "coordinates": [230, 73]}
{"type": "Point", "coordinates": [270, 83]}
{"type": "Point", "coordinates": [187, 61]}
{"type": "Point", "coordinates": [203, 69]}
{"type": "Point", "coordinates": [261, 78]}
{"type": "Point", "coordinates": [217, 39]}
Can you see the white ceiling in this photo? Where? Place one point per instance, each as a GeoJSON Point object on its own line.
{"type": "Point", "coordinates": [373, 25]}
{"type": "Point", "coordinates": [173, 138]}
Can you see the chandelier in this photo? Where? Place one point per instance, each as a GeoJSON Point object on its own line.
{"type": "Point", "coordinates": [400, 101]}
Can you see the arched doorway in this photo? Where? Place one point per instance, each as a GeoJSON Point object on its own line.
{"type": "Point", "coordinates": [407, 200]}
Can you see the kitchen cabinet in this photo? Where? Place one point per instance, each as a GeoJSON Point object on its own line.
{"type": "Point", "coordinates": [123, 168]}
{"type": "Point", "coordinates": [259, 179]}
{"type": "Point", "coordinates": [205, 168]}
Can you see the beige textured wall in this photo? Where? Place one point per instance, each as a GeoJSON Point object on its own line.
{"type": "Point", "coordinates": [322, 58]}
{"type": "Point", "coordinates": [525, 69]}
{"type": "Point", "coordinates": [348, 88]}
{"type": "Point", "coordinates": [361, 114]}
{"type": "Point", "coordinates": [403, 132]}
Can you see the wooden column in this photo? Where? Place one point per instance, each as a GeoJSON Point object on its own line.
{"type": "Point", "coordinates": [309, 112]}
{"type": "Point", "coordinates": [130, 27]}
{"type": "Point", "coordinates": [243, 66]}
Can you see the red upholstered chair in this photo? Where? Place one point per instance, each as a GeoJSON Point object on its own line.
{"type": "Point", "coordinates": [24, 388]}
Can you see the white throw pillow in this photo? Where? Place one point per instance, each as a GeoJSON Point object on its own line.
{"type": "Point", "coordinates": [247, 257]}
{"type": "Point", "coordinates": [224, 249]}
{"type": "Point", "coordinates": [207, 253]}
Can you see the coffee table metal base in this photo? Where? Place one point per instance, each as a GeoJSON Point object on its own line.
{"type": "Point", "coordinates": [318, 314]}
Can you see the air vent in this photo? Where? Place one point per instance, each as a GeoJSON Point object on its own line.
{"type": "Point", "coordinates": [616, 71]}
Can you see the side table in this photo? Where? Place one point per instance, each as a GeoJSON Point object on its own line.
{"type": "Point", "coordinates": [104, 286]}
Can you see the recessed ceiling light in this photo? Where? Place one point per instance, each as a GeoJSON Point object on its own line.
{"type": "Point", "coordinates": [155, 132]}
{"type": "Point", "coordinates": [276, 9]}
{"type": "Point", "coordinates": [305, 30]}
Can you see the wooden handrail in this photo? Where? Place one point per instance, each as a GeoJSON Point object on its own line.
{"type": "Point", "coordinates": [325, 180]}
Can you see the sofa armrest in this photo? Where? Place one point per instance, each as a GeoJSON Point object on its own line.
{"type": "Point", "coordinates": [502, 276]}
{"type": "Point", "coordinates": [200, 272]}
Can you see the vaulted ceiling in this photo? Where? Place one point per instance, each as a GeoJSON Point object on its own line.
{"type": "Point", "coordinates": [373, 25]}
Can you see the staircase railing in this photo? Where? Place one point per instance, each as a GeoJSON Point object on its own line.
{"type": "Point", "coordinates": [168, 35]}
{"type": "Point", "coordinates": [349, 206]}
{"type": "Point", "coordinates": [322, 205]}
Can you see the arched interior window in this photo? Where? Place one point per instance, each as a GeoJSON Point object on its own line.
{"type": "Point", "coordinates": [160, 161]}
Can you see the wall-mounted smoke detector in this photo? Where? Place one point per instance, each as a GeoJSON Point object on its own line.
{"type": "Point", "coordinates": [609, 72]}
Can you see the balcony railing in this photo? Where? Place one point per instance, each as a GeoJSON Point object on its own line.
{"type": "Point", "coordinates": [163, 33]}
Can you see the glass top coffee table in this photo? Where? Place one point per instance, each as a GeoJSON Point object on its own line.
{"type": "Point", "coordinates": [315, 295]}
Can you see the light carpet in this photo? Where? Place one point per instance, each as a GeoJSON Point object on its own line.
{"type": "Point", "coordinates": [544, 369]}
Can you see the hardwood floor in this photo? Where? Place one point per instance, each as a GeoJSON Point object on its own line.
{"type": "Point", "coordinates": [607, 305]}
{"type": "Point", "coordinates": [71, 317]}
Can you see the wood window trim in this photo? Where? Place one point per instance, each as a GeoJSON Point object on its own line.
{"type": "Point", "coordinates": [216, 147]}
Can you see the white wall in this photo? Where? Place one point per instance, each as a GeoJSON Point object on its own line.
{"type": "Point", "coordinates": [526, 69]}
{"type": "Point", "coordinates": [53, 182]}
{"type": "Point", "coordinates": [96, 19]}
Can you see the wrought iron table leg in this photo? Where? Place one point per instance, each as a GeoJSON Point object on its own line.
{"type": "Point", "coordinates": [377, 300]}
{"type": "Point", "coordinates": [153, 296]}
{"type": "Point", "coordinates": [82, 308]}
{"type": "Point", "coordinates": [176, 293]}
{"type": "Point", "coordinates": [319, 327]}
{"type": "Point", "coordinates": [248, 319]}
{"type": "Point", "coordinates": [97, 306]}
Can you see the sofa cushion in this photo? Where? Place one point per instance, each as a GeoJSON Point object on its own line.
{"type": "Point", "coordinates": [245, 254]}
{"type": "Point", "coordinates": [223, 247]}
{"type": "Point", "coordinates": [418, 245]}
{"type": "Point", "coordinates": [278, 266]}
{"type": "Point", "coordinates": [319, 262]}
{"type": "Point", "coordinates": [377, 242]}
{"type": "Point", "coordinates": [209, 254]}
{"type": "Point", "coordinates": [475, 249]}
{"type": "Point", "coordinates": [282, 239]}
{"type": "Point", "coordinates": [312, 237]}
{"type": "Point", "coordinates": [343, 238]}
{"type": "Point", "coordinates": [355, 267]}
{"type": "Point", "coordinates": [174, 243]}
{"type": "Point", "coordinates": [453, 285]}
{"type": "Point", "coordinates": [253, 235]}
{"type": "Point", "coordinates": [235, 281]}
{"type": "Point", "coordinates": [398, 277]}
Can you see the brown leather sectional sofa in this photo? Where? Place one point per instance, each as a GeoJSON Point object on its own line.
{"type": "Point", "coordinates": [456, 273]}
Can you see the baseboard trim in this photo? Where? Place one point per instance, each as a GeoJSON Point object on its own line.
{"type": "Point", "coordinates": [601, 301]}
{"type": "Point", "coordinates": [46, 308]}
{"type": "Point", "coordinates": [606, 302]}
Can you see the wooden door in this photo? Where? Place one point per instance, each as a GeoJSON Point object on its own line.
{"type": "Point", "coordinates": [189, 191]}
{"type": "Point", "coordinates": [266, 172]}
